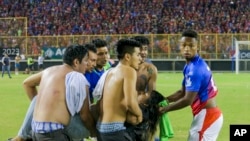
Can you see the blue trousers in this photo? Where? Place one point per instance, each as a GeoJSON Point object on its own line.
{"type": "Point", "coordinates": [75, 129]}
{"type": "Point", "coordinates": [6, 68]}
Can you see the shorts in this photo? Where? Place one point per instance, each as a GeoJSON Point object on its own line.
{"type": "Point", "coordinates": [45, 127]}
{"type": "Point", "coordinates": [17, 65]}
{"type": "Point", "coordinates": [57, 135]}
{"type": "Point", "coordinates": [30, 66]}
{"type": "Point", "coordinates": [40, 66]}
{"type": "Point", "coordinates": [49, 131]}
{"type": "Point", "coordinates": [206, 125]}
{"type": "Point", "coordinates": [115, 131]}
{"type": "Point", "coordinates": [121, 135]}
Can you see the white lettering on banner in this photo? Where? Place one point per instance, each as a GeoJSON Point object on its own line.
{"type": "Point", "coordinates": [49, 52]}
{"type": "Point", "coordinates": [54, 52]}
{"type": "Point", "coordinates": [245, 55]}
{"type": "Point", "coordinates": [58, 52]}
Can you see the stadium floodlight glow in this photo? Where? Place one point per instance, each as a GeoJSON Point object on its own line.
{"type": "Point", "coordinates": [237, 54]}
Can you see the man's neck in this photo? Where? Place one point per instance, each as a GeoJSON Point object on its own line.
{"type": "Point", "coordinates": [99, 68]}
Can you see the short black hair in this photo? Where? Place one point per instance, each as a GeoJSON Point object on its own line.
{"type": "Point", "coordinates": [74, 52]}
{"type": "Point", "coordinates": [142, 39]}
{"type": "Point", "coordinates": [90, 47]}
{"type": "Point", "coordinates": [190, 33]}
{"type": "Point", "coordinates": [124, 46]}
{"type": "Point", "coordinates": [99, 43]}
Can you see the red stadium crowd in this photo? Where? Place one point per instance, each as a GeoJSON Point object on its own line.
{"type": "Point", "coordinates": [77, 17]}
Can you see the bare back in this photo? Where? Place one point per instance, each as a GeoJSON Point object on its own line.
{"type": "Point", "coordinates": [146, 78]}
{"type": "Point", "coordinates": [114, 104]}
{"type": "Point", "coordinates": [52, 96]}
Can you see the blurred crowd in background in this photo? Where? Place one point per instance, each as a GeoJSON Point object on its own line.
{"type": "Point", "coordinates": [81, 17]}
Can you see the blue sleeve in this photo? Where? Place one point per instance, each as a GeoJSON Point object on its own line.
{"type": "Point", "coordinates": [193, 81]}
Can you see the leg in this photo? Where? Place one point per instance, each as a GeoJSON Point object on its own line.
{"type": "Point", "coordinates": [213, 131]}
{"type": "Point", "coordinates": [24, 132]}
{"type": "Point", "coordinates": [206, 125]}
{"type": "Point", "coordinates": [17, 66]}
{"type": "Point", "coordinates": [3, 69]}
{"type": "Point", "coordinates": [8, 70]}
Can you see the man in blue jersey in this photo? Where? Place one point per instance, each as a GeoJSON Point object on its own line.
{"type": "Point", "coordinates": [199, 91]}
{"type": "Point", "coordinates": [102, 59]}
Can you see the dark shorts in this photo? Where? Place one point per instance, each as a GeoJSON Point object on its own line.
{"type": "Point", "coordinates": [57, 135]}
{"type": "Point", "coordinates": [17, 65]}
{"type": "Point", "coordinates": [31, 67]}
{"type": "Point", "coordinates": [121, 135]}
{"type": "Point", "coordinates": [40, 66]}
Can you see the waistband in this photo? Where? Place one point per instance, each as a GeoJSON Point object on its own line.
{"type": "Point", "coordinates": [110, 127]}
{"type": "Point", "coordinates": [45, 127]}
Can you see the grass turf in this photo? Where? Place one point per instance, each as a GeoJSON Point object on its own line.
{"type": "Point", "coordinates": [233, 99]}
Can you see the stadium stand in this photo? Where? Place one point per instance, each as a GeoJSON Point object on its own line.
{"type": "Point", "coordinates": [84, 17]}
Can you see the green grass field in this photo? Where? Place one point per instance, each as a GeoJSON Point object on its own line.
{"type": "Point", "coordinates": [233, 99]}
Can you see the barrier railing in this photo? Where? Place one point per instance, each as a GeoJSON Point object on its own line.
{"type": "Point", "coordinates": [14, 39]}
{"type": "Point", "coordinates": [163, 46]}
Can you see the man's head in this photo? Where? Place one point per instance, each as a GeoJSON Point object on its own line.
{"type": "Point", "coordinates": [92, 56]}
{"type": "Point", "coordinates": [102, 52]}
{"type": "Point", "coordinates": [145, 45]}
{"type": "Point", "coordinates": [76, 56]}
{"type": "Point", "coordinates": [128, 50]}
{"type": "Point", "coordinates": [5, 55]}
{"type": "Point", "coordinates": [188, 44]}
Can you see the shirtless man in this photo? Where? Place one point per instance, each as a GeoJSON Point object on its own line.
{"type": "Point", "coordinates": [198, 91]}
{"type": "Point", "coordinates": [119, 102]}
{"type": "Point", "coordinates": [145, 84]}
{"type": "Point", "coordinates": [147, 72]}
{"type": "Point", "coordinates": [49, 109]}
{"type": "Point", "coordinates": [76, 129]}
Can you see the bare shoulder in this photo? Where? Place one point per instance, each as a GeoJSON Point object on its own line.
{"type": "Point", "coordinates": [151, 68]}
{"type": "Point", "coordinates": [57, 68]}
{"type": "Point", "coordinates": [125, 71]}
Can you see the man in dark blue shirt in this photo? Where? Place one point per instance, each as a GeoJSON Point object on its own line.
{"type": "Point", "coordinates": [6, 64]}
{"type": "Point", "coordinates": [102, 59]}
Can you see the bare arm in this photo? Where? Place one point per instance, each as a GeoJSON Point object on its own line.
{"type": "Point", "coordinates": [30, 83]}
{"type": "Point", "coordinates": [3, 61]}
{"type": "Point", "coordinates": [176, 96]}
{"type": "Point", "coordinates": [86, 115]}
{"type": "Point", "coordinates": [152, 70]}
{"type": "Point", "coordinates": [130, 95]}
{"type": "Point", "coordinates": [181, 103]}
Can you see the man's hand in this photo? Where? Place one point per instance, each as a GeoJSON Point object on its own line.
{"type": "Point", "coordinates": [162, 110]}
{"type": "Point", "coordinates": [132, 119]}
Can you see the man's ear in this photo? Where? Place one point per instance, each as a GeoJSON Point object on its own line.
{"type": "Point", "coordinates": [127, 56]}
{"type": "Point", "coordinates": [75, 62]}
